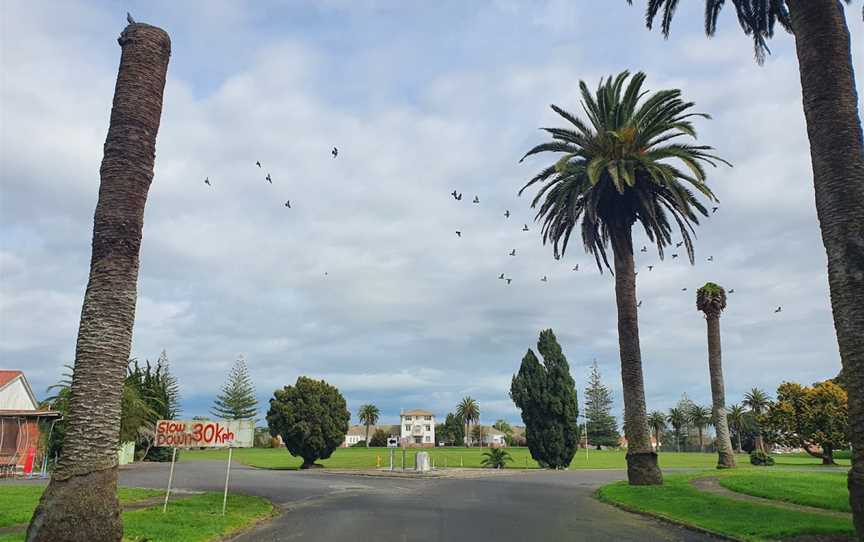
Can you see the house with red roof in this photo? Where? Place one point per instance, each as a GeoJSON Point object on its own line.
{"type": "Point", "coordinates": [20, 418]}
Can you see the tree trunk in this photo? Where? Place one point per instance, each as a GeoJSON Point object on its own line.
{"type": "Point", "coordinates": [80, 503]}
{"type": "Point", "coordinates": [740, 448]}
{"type": "Point", "coordinates": [367, 435]}
{"type": "Point", "coordinates": [642, 466]}
{"type": "Point", "coordinates": [701, 442]}
{"type": "Point", "coordinates": [830, 101]}
{"type": "Point", "coordinates": [726, 456]}
{"type": "Point", "coordinates": [827, 455]}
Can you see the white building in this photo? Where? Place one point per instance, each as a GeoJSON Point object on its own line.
{"type": "Point", "coordinates": [417, 428]}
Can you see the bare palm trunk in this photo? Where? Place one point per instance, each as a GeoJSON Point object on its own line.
{"type": "Point", "coordinates": [726, 456]}
{"type": "Point", "coordinates": [837, 156]}
{"type": "Point", "coordinates": [642, 466]}
{"type": "Point", "coordinates": [367, 435]}
{"type": "Point", "coordinates": [738, 432]}
{"type": "Point", "coordinates": [80, 503]}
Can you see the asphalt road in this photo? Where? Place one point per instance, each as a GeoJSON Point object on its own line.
{"type": "Point", "coordinates": [534, 506]}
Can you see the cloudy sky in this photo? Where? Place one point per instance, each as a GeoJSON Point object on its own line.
{"type": "Point", "coordinates": [421, 99]}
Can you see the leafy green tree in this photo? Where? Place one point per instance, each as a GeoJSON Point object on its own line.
{"type": "Point", "coordinates": [158, 387]}
{"type": "Point", "coordinates": [758, 402]}
{"type": "Point", "coordinates": [454, 430]}
{"type": "Point", "coordinates": [657, 423]}
{"type": "Point", "coordinates": [468, 410]}
{"type": "Point", "coordinates": [711, 300]}
{"type": "Point", "coordinates": [505, 428]}
{"type": "Point", "coordinates": [737, 422]}
{"type": "Point", "coordinates": [700, 418]}
{"type": "Point", "coordinates": [617, 169]}
{"type": "Point", "coordinates": [807, 417]}
{"type": "Point", "coordinates": [546, 395]}
{"type": "Point", "coordinates": [601, 424]}
{"type": "Point", "coordinates": [368, 415]}
{"type": "Point", "coordinates": [677, 418]}
{"type": "Point", "coordinates": [379, 439]}
{"type": "Point", "coordinates": [830, 99]}
{"type": "Point", "coordinates": [496, 458]}
{"type": "Point", "coordinates": [311, 417]}
{"type": "Point", "coordinates": [237, 400]}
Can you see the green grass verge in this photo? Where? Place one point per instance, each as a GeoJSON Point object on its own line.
{"type": "Point", "coordinates": [367, 458]}
{"type": "Point", "coordinates": [678, 501]}
{"type": "Point", "coordinates": [197, 518]}
{"type": "Point", "coordinates": [819, 489]}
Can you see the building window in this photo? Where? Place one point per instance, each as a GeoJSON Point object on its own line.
{"type": "Point", "coordinates": [407, 418]}
{"type": "Point", "coordinates": [428, 427]}
{"type": "Point", "coordinates": [428, 438]}
{"type": "Point", "coordinates": [428, 418]}
{"type": "Point", "coordinates": [407, 426]}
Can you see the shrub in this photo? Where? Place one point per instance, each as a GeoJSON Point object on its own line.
{"type": "Point", "coordinates": [761, 459]}
{"type": "Point", "coordinates": [359, 444]}
{"type": "Point", "coordinates": [379, 439]}
{"type": "Point", "coordinates": [496, 458]}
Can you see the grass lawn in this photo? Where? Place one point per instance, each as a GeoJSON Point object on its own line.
{"type": "Point", "coordinates": [820, 489]}
{"type": "Point", "coordinates": [367, 458]}
{"type": "Point", "coordinates": [195, 519]}
{"type": "Point", "coordinates": [679, 501]}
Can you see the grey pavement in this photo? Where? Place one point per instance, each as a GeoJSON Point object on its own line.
{"type": "Point", "coordinates": [533, 506]}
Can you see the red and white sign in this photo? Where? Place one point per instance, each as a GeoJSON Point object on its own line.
{"type": "Point", "coordinates": [204, 434]}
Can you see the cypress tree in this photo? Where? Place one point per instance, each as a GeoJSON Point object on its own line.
{"type": "Point", "coordinates": [546, 395]}
{"type": "Point", "coordinates": [237, 400]}
{"type": "Point", "coordinates": [602, 427]}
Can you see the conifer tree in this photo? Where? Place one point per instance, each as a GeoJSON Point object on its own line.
{"type": "Point", "coordinates": [601, 424]}
{"type": "Point", "coordinates": [546, 395]}
{"type": "Point", "coordinates": [237, 400]}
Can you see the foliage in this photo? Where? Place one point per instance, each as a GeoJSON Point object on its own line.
{"type": "Point", "coordinates": [601, 424]}
{"type": "Point", "coordinates": [657, 423]}
{"type": "Point", "coordinates": [700, 418]}
{"type": "Point", "coordinates": [468, 410]}
{"type": "Point", "coordinates": [262, 438]}
{"type": "Point", "coordinates": [546, 395]}
{"type": "Point", "coordinates": [742, 427]}
{"type": "Point", "coordinates": [453, 432]}
{"type": "Point", "coordinates": [496, 458]}
{"type": "Point", "coordinates": [757, 401]}
{"type": "Point", "coordinates": [237, 399]}
{"type": "Point", "coordinates": [359, 444]}
{"type": "Point", "coordinates": [761, 459]}
{"type": "Point", "coordinates": [804, 416]}
{"type": "Point", "coordinates": [677, 418]}
{"type": "Point", "coordinates": [368, 415]}
{"type": "Point", "coordinates": [379, 439]}
{"type": "Point", "coordinates": [711, 299]}
{"type": "Point", "coordinates": [311, 417]}
{"type": "Point", "coordinates": [616, 170]}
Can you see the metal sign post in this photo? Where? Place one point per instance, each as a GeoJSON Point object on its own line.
{"type": "Point", "coordinates": [170, 480]}
{"type": "Point", "coordinates": [227, 475]}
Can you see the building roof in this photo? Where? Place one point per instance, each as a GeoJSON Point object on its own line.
{"type": "Point", "coordinates": [360, 430]}
{"type": "Point", "coordinates": [9, 377]}
{"type": "Point", "coordinates": [417, 412]}
{"type": "Point", "coordinates": [30, 414]}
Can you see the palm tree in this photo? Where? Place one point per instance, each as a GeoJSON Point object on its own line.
{"type": "Point", "coordinates": [657, 422]}
{"type": "Point", "coordinates": [368, 415]}
{"type": "Point", "coordinates": [700, 418]}
{"type": "Point", "coordinates": [737, 420]}
{"type": "Point", "coordinates": [830, 101]}
{"type": "Point", "coordinates": [757, 401]}
{"type": "Point", "coordinates": [80, 502]}
{"type": "Point", "coordinates": [468, 411]}
{"type": "Point", "coordinates": [677, 418]}
{"type": "Point", "coordinates": [616, 170]}
{"type": "Point", "coordinates": [711, 300]}
{"type": "Point", "coordinates": [496, 458]}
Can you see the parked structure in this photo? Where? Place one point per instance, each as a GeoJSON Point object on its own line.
{"type": "Point", "coordinates": [19, 423]}
{"type": "Point", "coordinates": [417, 429]}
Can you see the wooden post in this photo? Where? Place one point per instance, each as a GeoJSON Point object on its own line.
{"type": "Point", "coordinates": [170, 480]}
{"type": "Point", "coordinates": [227, 475]}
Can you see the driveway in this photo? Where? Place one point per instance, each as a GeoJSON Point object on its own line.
{"type": "Point", "coordinates": [532, 506]}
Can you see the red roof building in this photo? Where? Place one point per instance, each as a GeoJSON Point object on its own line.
{"type": "Point", "coordinates": [19, 423]}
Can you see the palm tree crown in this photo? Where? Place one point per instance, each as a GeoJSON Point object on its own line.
{"type": "Point", "coordinates": [368, 414]}
{"type": "Point", "coordinates": [711, 299]}
{"type": "Point", "coordinates": [616, 168]}
{"type": "Point", "coordinates": [756, 400]}
{"type": "Point", "coordinates": [700, 417]}
{"type": "Point", "coordinates": [468, 409]}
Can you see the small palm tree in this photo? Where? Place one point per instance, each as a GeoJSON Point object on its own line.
{"type": "Point", "coordinates": [677, 418]}
{"type": "Point", "coordinates": [495, 458]}
{"type": "Point", "coordinates": [737, 420]}
{"type": "Point", "coordinates": [757, 401]}
{"type": "Point", "coordinates": [700, 418]}
{"type": "Point", "coordinates": [368, 415]}
{"type": "Point", "coordinates": [711, 300]}
{"type": "Point", "coordinates": [618, 169]}
{"type": "Point", "coordinates": [468, 411]}
{"type": "Point", "coordinates": [657, 422]}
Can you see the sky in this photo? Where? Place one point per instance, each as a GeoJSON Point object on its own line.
{"type": "Point", "coordinates": [363, 281]}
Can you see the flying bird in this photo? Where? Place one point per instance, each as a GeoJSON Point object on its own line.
{"type": "Point", "coordinates": [643, 249]}
{"type": "Point", "coordinates": [639, 304]}
{"type": "Point", "coordinates": [576, 267]}
{"type": "Point", "coordinates": [207, 181]}
{"type": "Point", "coordinates": [544, 279]}
{"type": "Point", "coordinates": [714, 210]}
{"type": "Point", "coordinates": [509, 280]}
{"type": "Point", "coordinates": [683, 289]}
{"type": "Point", "coordinates": [677, 245]}
{"type": "Point", "coordinates": [288, 203]}
{"type": "Point", "coordinates": [129, 18]}
{"type": "Point", "coordinates": [501, 276]}
{"type": "Point", "coordinates": [459, 197]}
{"type": "Point", "coordinates": [476, 199]}
{"type": "Point", "coordinates": [458, 233]}
{"type": "Point", "coordinates": [557, 256]}
{"type": "Point", "coordinates": [453, 193]}
{"type": "Point", "coordinates": [335, 152]}
{"type": "Point", "coordinates": [269, 180]}
{"type": "Point", "coordinates": [779, 309]}
{"type": "Point", "coordinates": [710, 258]}
{"type": "Point", "coordinates": [674, 256]}
{"type": "Point", "coordinates": [513, 252]}
{"type": "Point", "coordinates": [525, 227]}
{"type": "Point", "coordinates": [258, 163]}
{"type": "Point", "coordinates": [650, 268]}
{"type": "Point", "coordinates": [636, 274]}
{"type": "Point", "coordinates": [325, 273]}
{"type": "Point", "coordinates": [507, 213]}
{"type": "Point", "coordinates": [732, 291]}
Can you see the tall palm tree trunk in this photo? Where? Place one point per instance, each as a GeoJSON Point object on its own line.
{"type": "Point", "coordinates": [738, 433]}
{"type": "Point", "coordinates": [837, 156]}
{"type": "Point", "coordinates": [726, 456]}
{"type": "Point", "coordinates": [80, 503]}
{"type": "Point", "coordinates": [642, 466]}
{"type": "Point", "coordinates": [367, 435]}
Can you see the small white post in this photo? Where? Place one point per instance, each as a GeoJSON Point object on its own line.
{"type": "Point", "coordinates": [170, 480]}
{"type": "Point", "coordinates": [227, 475]}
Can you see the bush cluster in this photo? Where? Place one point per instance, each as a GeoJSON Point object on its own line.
{"type": "Point", "coordinates": [761, 459]}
